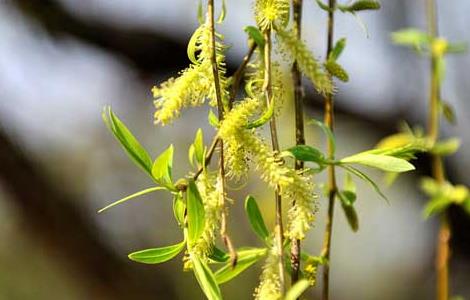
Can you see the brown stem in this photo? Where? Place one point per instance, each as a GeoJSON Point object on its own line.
{"type": "Point", "coordinates": [275, 145]}
{"type": "Point", "coordinates": [238, 75]}
{"type": "Point", "coordinates": [443, 246]}
{"type": "Point", "coordinates": [299, 130]}
{"type": "Point", "coordinates": [220, 108]}
{"type": "Point", "coordinates": [332, 188]}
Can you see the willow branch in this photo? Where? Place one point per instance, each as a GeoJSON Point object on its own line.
{"type": "Point", "coordinates": [299, 130]}
{"type": "Point", "coordinates": [443, 247]}
{"type": "Point", "coordinates": [220, 109]}
{"type": "Point", "coordinates": [332, 188]}
{"type": "Point", "coordinates": [275, 146]}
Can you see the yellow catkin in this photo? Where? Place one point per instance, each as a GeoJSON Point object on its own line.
{"type": "Point", "coordinates": [210, 189]}
{"type": "Point", "coordinates": [271, 12]}
{"type": "Point", "coordinates": [195, 83]}
{"type": "Point", "coordinates": [269, 287]}
{"type": "Point", "coordinates": [308, 64]}
{"type": "Point", "coordinates": [293, 184]}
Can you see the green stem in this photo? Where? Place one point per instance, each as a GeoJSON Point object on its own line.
{"type": "Point", "coordinates": [275, 145]}
{"type": "Point", "coordinates": [444, 235]}
{"type": "Point", "coordinates": [220, 109]}
{"type": "Point", "coordinates": [299, 130]}
{"type": "Point", "coordinates": [332, 187]}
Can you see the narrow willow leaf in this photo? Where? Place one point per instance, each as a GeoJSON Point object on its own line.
{"type": "Point", "coordinates": [213, 119]}
{"type": "Point", "coordinates": [446, 147]}
{"type": "Point", "coordinates": [162, 168]}
{"type": "Point", "coordinates": [329, 134]}
{"type": "Point", "coordinates": [120, 201]}
{"type": "Point", "coordinates": [195, 210]}
{"type": "Point", "coordinates": [199, 146]}
{"type": "Point", "coordinates": [157, 255]}
{"type": "Point", "coordinates": [348, 209]}
{"type": "Point", "coordinates": [336, 70]}
{"type": "Point", "coordinates": [411, 37]}
{"type": "Point", "coordinates": [364, 177]}
{"type": "Point", "coordinates": [308, 153]}
{"type": "Point", "coordinates": [466, 205]}
{"type": "Point", "coordinates": [382, 162]}
{"type": "Point", "coordinates": [179, 208]}
{"type": "Point", "coordinates": [363, 5]}
{"type": "Point", "coordinates": [461, 47]}
{"type": "Point", "coordinates": [200, 12]}
{"type": "Point", "coordinates": [246, 258]}
{"type": "Point", "coordinates": [349, 184]}
{"type": "Point", "coordinates": [129, 143]}
{"type": "Point", "coordinates": [218, 255]}
{"type": "Point", "coordinates": [435, 206]}
{"type": "Point", "coordinates": [205, 278]}
{"type": "Point", "coordinates": [297, 289]}
{"type": "Point", "coordinates": [256, 219]}
{"type": "Point", "coordinates": [256, 35]}
{"type": "Point", "coordinates": [323, 5]}
{"type": "Point", "coordinates": [448, 112]}
{"type": "Point", "coordinates": [223, 13]}
{"type": "Point", "coordinates": [265, 117]}
{"type": "Point", "coordinates": [338, 49]}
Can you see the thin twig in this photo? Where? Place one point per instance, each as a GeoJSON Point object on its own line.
{"type": "Point", "coordinates": [332, 187]}
{"type": "Point", "coordinates": [220, 108]}
{"type": "Point", "coordinates": [238, 75]}
{"type": "Point", "coordinates": [267, 87]}
{"type": "Point", "coordinates": [443, 247]}
{"type": "Point", "coordinates": [299, 131]}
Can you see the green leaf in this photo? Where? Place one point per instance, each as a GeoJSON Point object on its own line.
{"type": "Point", "coordinates": [179, 208]}
{"type": "Point", "coordinates": [129, 143]}
{"type": "Point", "coordinates": [157, 255]}
{"type": "Point", "coordinates": [199, 146]}
{"type": "Point", "coordinates": [246, 258]}
{"type": "Point", "coordinates": [336, 70]}
{"type": "Point", "coordinates": [461, 47]}
{"type": "Point", "coordinates": [200, 12]}
{"type": "Point", "coordinates": [348, 209]}
{"type": "Point", "coordinates": [466, 205]}
{"type": "Point", "coordinates": [446, 147]}
{"type": "Point", "coordinates": [120, 201]}
{"type": "Point", "coordinates": [382, 162]}
{"type": "Point", "coordinates": [205, 278]}
{"type": "Point", "coordinates": [411, 37]}
{"type": "Point", "coordinates": [256, 35]}
{"type": "Point", "coordinates": [364, 177]}
{"type": "Point", "coordinates": [323, 6]}
{"type": "Point", "coordinates": [297, 289]}
{"type": "Point", "coordinates": [308, 153]}
{"type": "Point", "coordinates": [329, 134]}
{"type": "Point", "coordinates": [363, 5]}
{"type": "Point", "coordinates": [218, 255]}
{"type": "Point", "coordinates": [213, 119]}
{"type": "Point", "coordinates": [435, 206]}
{"type": "Point", "coordinates": [196, 214]}
{"type": "Point", "coordinates": [256, 219]}
{"type": "Point", "coordinates": [263, 119]}
{"type": "Point", "coordinates": [338, 49]}
{"type": "Point", "coordinates": [349, 185]}
{"type": "Point", "coordinates": [223, 13]}
{"type": "Point", "coordinates": [162, 167]}
{"type": "Point", "coordinates": [448, 112]}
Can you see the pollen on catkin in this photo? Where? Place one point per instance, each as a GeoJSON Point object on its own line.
{"type": "Point", "coordinates": [195, 83]}
{"type": "Point", "coordinates": [230, 128]}
{"type": "Point", "coordinates": [294, 186]}
{"type": "Point", "coordinates": [210, 188]}
{"type": "Point", "coordinates": [271, 12]}
{"type": "Point", "coordinates": [269, 287]}
{"type": "Point", "coordinates": [308, 64]}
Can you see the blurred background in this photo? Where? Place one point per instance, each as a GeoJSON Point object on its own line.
{"type": "Point", "coordinates": [61, 61]}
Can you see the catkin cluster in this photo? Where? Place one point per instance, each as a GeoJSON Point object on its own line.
{"type": "Point", "coordinates": [194, 84]}
{"type": "Point", "coordinates": [293, 185]}
{"type": "Point", "coordinates": [269, 287]}
{"type": "Point", "coordinates": [210, 189]}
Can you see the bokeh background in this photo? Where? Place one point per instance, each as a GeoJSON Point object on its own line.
{"type": "Point", "coordinates": [61, 61]}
